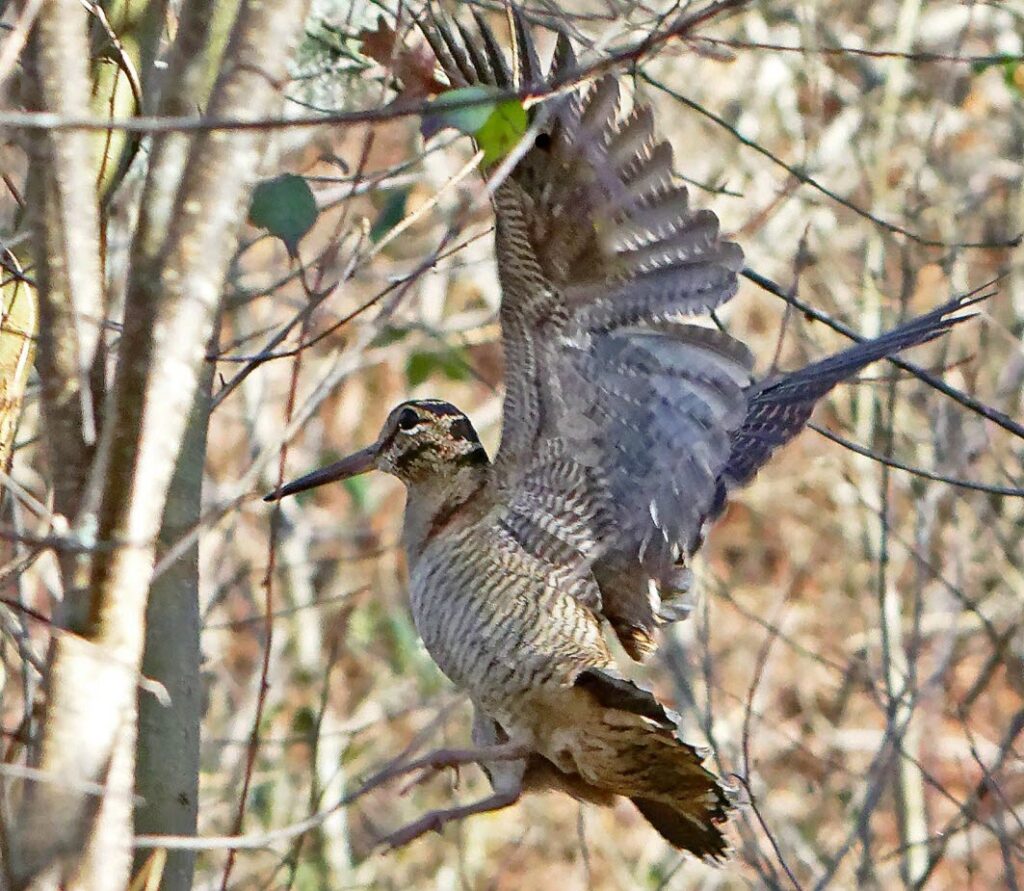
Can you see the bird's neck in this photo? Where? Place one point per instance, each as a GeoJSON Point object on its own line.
{"type": "Point", "coordinates": [441, 502]}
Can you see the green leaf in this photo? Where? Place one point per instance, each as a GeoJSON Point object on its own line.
{"type": "Point", "coordinates": [418, 367]}
{"type": "Point", "coordinates": [391, 214]}
{"type": "Point", "coordinates": [357, 488]}
{"type": "Point", "coordinates": [1012, 67]}
{"type": "Point", "coordinates": [285, 207]}
{"type": "Point", "coordinates": [454, 367]}
{"type": "Point", "coordinates": [304, 722]}
{"type": "Point", "coordinates": [1013, 76]}
{"type": "Point", "coordinates": [496, 126]}
{"type": "Point", "coordinates": [262, 800]}
{"type": "Point", "coordinates": [421, 366]}
{"type": "Point", "coordinates": [502, 131]}
{"type": "Point", "coordinates": [466, 109]}
{"type": "Point", "coordinates": [388, 335]}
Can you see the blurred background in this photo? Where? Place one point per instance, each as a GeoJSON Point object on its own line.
{"type": "Point", "coordinates": [855, 659]}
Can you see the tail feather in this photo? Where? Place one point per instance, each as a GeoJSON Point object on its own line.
{"type": "Point", "coordinates": [682, 832]}
{"type": "Point", "coordinates": [628, 746]}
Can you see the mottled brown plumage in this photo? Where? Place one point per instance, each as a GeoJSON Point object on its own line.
{"type": "Point", "coordinates": [624, 428]}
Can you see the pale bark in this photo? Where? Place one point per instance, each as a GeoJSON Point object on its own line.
{"type": "Point", "coordinates": [167, 769]}
{"type": "Point", "coordinates": [167, 748]}
{"type": "Point", "coordinates": [61, 200]}
{"type": "Point", "coordinates": [90, 717]}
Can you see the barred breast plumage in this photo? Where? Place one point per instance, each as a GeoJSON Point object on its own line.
{"type": "Point", "coordinates": [496, 619]}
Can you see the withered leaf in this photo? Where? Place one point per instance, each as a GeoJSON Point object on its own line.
{"type": "Point", "coordinates": [412, 66]}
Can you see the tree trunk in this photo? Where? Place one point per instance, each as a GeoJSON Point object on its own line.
{"type": "Point", "coordinates": [167, 770]}
{"type": "Point", "coordinates": [66, 832]}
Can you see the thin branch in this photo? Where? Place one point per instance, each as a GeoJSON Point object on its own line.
{"type": "Point", "coordinates": [999, 243]}
{"type": "Point", "coordinates": [874, 455]}
{"type": "Point", "coordinates": [430, 763]}
{"type": "Point", "coordinates": [268, 623]}
{"type": "Point", "coordinates": [962, 818]}
{"type": "Point", "coordinates": [759, 668]}
{"type": "Point", "coordinates": [918, 56]}
{"type": "Point", "coordinates": [683, 26]}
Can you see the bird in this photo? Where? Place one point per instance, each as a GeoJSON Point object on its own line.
{"type": "Point", "coordinates": [628, 419]}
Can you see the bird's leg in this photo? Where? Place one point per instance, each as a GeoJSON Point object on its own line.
{"type": "Point", "coordinates": [439, 759]}
{"type": "Point", "coordinates": [436, 820]}
{"type": "Point", "coordinates": [508, 787]}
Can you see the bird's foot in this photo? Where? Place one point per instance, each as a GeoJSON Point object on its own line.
{"type": "Point", "coordinates": [426, 773]}
{"type": "Point", "coordinates": [441, 759]}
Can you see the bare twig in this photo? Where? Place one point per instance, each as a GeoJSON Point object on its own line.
{"type": "Point", "coordinates": [437, 760]}
{"type": "Point", "coordinates": [967, 401]}
{"type": "Point", "coordinates": [683, 26]}
{"type": "Point", "coordinates": [1009, 241]}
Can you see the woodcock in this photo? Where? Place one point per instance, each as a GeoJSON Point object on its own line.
{"type": "Point", "coordinates": [626, 424]}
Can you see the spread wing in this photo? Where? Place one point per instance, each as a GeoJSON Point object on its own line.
{"type": "Point", "coordinates": [617, 409]}
{"type": "Point", "coordinates": [625, 426]}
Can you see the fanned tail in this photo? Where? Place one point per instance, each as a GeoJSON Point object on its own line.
{"type": "Point", "coordinates": [629, 747]}
{"type": "Point", "coordinates": [679, 830]}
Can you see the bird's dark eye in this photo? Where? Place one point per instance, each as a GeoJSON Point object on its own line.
{"type": "Point", "coordinates": [408, 419]}
{"type": "Point", "coordinates": [543, 141]}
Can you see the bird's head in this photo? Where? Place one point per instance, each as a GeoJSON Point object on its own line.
{"type": "Point", "coordinates": [422, 440]}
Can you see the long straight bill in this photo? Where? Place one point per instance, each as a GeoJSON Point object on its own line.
{"type": "Point", "coordinates": [353, 465]}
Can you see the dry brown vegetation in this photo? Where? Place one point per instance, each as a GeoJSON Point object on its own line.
{"type": "Point", "coordinates": [856, 657]}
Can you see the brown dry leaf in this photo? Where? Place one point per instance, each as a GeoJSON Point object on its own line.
{"type": "Point", "coordinates": [412, 66]}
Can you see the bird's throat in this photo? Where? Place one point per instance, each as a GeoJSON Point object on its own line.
{"type": "Point", "coordinates": [436, 505]}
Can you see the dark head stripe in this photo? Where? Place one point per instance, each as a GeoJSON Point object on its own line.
{"type": "Point", "coordinates": [461, 429]}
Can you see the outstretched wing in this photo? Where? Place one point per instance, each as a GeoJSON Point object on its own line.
{"type": "Point", "coordinates": [601, 260]}
{"type": "Point", "coordinates": [625, 427]}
